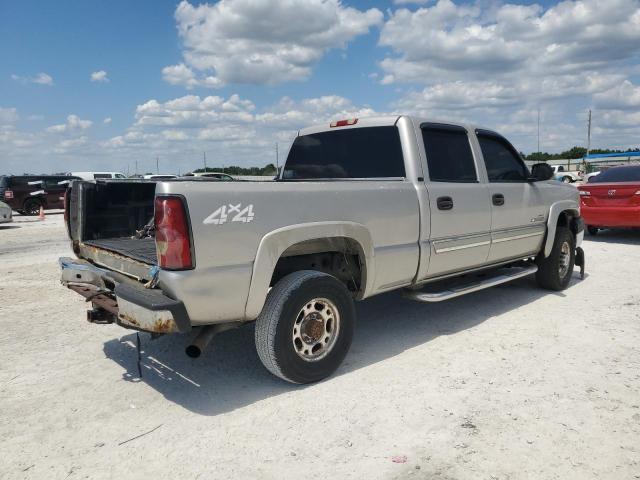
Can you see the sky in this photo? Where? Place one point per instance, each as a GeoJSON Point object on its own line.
{"type": "Point", "coordinates": [90, 86]}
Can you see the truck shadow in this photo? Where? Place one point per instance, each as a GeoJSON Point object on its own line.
{"type": "Point", "coordinates": [620, 236]}
{"type": "Point", "coordinates": [230, 375]}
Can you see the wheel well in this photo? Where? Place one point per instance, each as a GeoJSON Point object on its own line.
{"type": "Point", "coordinates": [338, 256]}
{"type": "Point", "coordinates": [568, 219]}
{"type": "Point", "coordinates": [40, 200]}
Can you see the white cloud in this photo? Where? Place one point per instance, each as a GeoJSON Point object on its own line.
{"type": "Point", "coordinates": [73, 124]}
{"type": "Point", "coordinates": [40, 79]}
{"type": "Point", "coordinates": [107, 121]}
{"type": "Point", "coordinates": [261, 41]}
{"type": "Point", "coordinates": [100, 76]}
{"type": "Point", "coordinates": [183, 75]}
{"type": "Point", "coordinates": [8, 115]}
{"type": "Point", "coordinates": [495, 64]}
{"type": "Point", "coordinates": [624, 96]}
{"type": "Point", "coordinates": [448, 41]}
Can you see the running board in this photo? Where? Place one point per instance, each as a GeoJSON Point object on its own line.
{"type": "Point", "coordinates": [502, 275]}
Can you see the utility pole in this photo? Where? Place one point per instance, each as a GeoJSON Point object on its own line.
{"type": "Point", "coordinates": [538, 128]}
{"type": "Point", "coordinates": [204, 160]}
{"type": "Point", "coordinates": [277, 157]}
{"type": "Point", "coordinates": [136, 168]}
{"type": "Point", "coordinates": [157, 167]}
{"type": "Point", "coordinates": [589, 134]}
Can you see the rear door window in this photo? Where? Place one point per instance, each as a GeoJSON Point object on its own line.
{"type": "Point", "coordinates": [371, 152]}
{"type": "Point", "coordinates": [449, 156]}
{"type": "Point", "coordinates": [504, 165]}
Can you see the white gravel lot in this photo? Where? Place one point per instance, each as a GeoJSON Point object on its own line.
{"type": "Point", "coordinates": [509, 383]}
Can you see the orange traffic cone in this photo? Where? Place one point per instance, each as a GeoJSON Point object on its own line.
{"type": "Point", "coordinates": [41, 216]}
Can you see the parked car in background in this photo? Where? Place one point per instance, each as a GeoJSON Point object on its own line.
{"type": "Point", "coordinates": [27, 193]}
{"type": "Point", "coordinates": [98, 175]}
{"type": "Point", "coordinates": [589, 176]}
{"type": "Point", "coordinates": [611, 199]}
{"type": "Point", "coordinates": [362, 207]}
{"type": "Point", "coordinates": [159, 176]}
{"type": "Point", "coordinates": [219, 175]}
{"type": "Point", "coordinates": [5, 213]}
{"type": "Point", "coordinates": [565, 176]}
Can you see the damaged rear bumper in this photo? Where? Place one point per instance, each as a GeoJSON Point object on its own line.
{"type": "Point", "coordinates": [130, 303]}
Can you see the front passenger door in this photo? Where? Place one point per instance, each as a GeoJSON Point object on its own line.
{"type": "Point", "coordinates": [518, 213]}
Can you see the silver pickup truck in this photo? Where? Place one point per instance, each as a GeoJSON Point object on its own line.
{"type": "Point", "coordinates": [361, 207]}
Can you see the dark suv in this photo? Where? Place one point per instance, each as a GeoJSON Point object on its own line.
{"type": "Point", "coordinates": [27, 193]}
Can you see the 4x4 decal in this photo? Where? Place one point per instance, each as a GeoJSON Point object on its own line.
{"type": "Point", "coordinates": [226, 213]}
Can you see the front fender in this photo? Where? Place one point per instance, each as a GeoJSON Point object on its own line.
{"type": "Point", "coordinates": [276, 242]}
{"type": "Point", "coordinates": [556, 209]}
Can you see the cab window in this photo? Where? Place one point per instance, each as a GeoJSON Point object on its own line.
{"type": "Point", "coordinates": [448, 151]}
{"type": "Point", "coordinates": [503, 164]}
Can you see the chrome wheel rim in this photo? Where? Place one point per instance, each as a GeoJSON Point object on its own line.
{"type": "Point", "coordinates": [316, 329]}
{"type": "Point", "coordinates": [565, 259]}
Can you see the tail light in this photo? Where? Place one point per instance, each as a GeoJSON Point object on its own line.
{"type": "Point", "coordinates": [8, 194]}
{"type": "Point", "coordinates": [173, 233]}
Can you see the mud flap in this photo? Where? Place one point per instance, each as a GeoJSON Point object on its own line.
{"type": "Point", "coordinates": [580, 260]}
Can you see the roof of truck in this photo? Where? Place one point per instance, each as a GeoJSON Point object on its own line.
{"type": "Point", "coordinates": [383, 121]}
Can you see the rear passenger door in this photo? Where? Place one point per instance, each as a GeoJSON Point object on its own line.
{"type": "Point", "coordinates": [460, 206]}
{"type": "Point", "coordinates": [518, 218]}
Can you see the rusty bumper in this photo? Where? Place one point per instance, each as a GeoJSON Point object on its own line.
{"type": "Point", "coordinates": [131, 304]}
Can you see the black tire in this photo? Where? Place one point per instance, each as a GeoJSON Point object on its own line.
{"type": "Point", "coordinates": [550, 274]}
{"type": "Point", "coordinates": [567, 179]}
{"type": "Point", "coordinates": [31, 206]}
{"type": "Point", "coordinates": [283, 317]}
{"type": "Point", "coordinates": [592, 230]}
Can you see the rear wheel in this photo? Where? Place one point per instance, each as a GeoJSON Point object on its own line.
{"type": "Point", "coordinates": [32, 206]}
{"type": "Point", "coordinates": [567, 179]}
{"type": "Point", "coordinates": [305, 328]}
{"type": "Point", "coordinates": [592, 230]}
{"type": "Point", "coordinates": [554, 272]}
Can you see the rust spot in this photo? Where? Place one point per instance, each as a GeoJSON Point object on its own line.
{"type": "Point", "coordinates": [128, 319]}
{"type": "Point", "coordinates": [163, 325]}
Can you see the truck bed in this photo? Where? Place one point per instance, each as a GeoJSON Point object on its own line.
{"type": "Point", "coordinates": [142, 250]}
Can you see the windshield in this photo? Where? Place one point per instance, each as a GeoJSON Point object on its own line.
{"type": "Point", "coordinates": [619, 174]}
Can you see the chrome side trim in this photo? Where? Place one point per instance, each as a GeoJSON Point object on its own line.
{"type": "Point", "coordinates": [517, 237]}
{"type": "Point", "coordinates": [451, 244]}
{"type": "Point", "coordinates": [460, 247]}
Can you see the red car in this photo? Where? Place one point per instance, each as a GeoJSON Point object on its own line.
{"type": "Point", "coordinates": [611, 199]}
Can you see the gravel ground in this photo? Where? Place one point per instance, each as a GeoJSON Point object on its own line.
{"type": "Point", "coordinates": [509, 383]}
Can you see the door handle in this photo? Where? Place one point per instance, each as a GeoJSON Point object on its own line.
{"type": "Point", "coordinates": [498, 199]}
{"type": "Point", "coordinates": [444, 203]}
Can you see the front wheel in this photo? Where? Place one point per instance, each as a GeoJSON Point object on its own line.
{"type": "Point", "coordinates": [554, 272]}
{"type": "Point", "coordinates": [305, 328]}
{"type": "Point", "coordinates": [567, 179]}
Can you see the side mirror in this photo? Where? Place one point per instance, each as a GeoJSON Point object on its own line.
{"type": "Point", "coordinates": [541, 172]}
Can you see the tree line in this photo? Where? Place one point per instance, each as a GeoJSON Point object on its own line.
{"type": "Point", "coordinates": [572, 153]}
{"type": "Point", "coordinates": [269, 169]}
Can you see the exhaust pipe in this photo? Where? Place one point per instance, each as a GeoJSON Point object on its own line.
{"type": "Point", "coordinates": [204, 337]}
